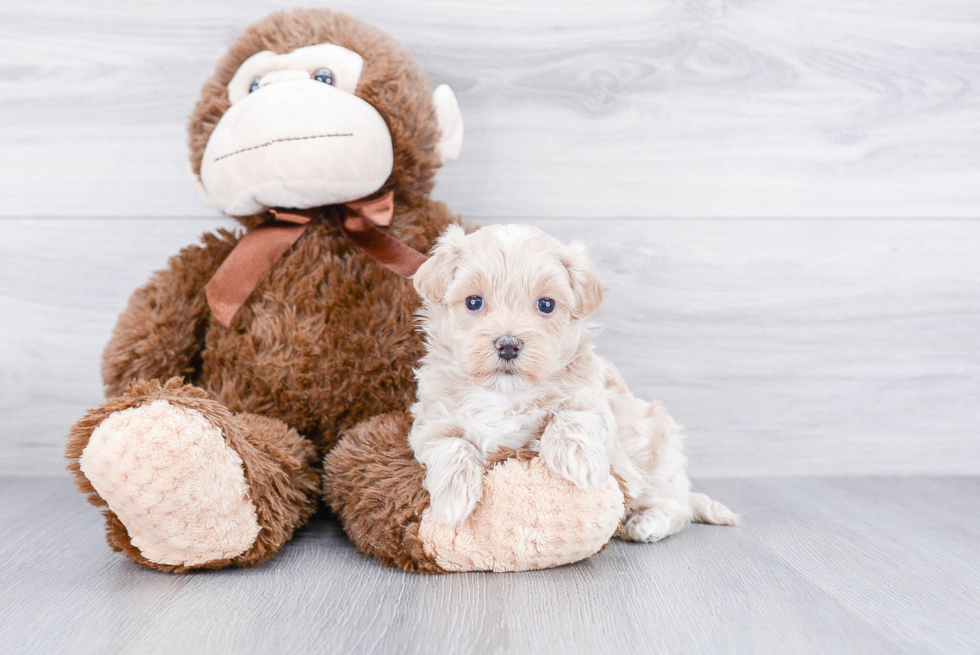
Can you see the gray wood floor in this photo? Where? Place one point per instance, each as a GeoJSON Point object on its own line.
{"type": "Point", "coordinates": [821, 565]}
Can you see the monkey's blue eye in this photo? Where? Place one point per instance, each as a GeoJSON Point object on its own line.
{"type": "Point", "coordinates": [473, 303]}
{"type": "Point", "coordinates": [254, 85]}
{"type": "Point", "coordinates": [324, 75]}
{"type": "Point", "coordinates": [546, 305]}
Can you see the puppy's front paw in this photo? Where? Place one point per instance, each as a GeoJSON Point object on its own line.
{"type": "Point", "coordinates": [577, 458]}
{"type": "Point", "coordinates": [454, 495]}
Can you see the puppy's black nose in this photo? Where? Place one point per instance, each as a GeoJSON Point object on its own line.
{"type": "Point", "coordinates": [508, 347]}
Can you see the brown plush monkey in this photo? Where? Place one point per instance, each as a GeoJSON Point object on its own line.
{"type": "Point", "coordinates": [234, 371]}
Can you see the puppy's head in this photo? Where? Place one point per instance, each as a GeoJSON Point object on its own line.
{"type": "Point", "coordinates": [507, 302]}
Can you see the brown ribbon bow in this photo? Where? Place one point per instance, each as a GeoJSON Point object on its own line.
{"type": "Point", "coordinates": [261, 247]}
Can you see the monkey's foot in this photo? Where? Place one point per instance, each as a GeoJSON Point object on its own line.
{"type": "Point", "coordinates": [186, 484]}
{"type": "Point", "coordinates": [174, 483]}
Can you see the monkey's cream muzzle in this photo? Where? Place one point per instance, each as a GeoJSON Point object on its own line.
{"type": "Point", "coordinates": [296, 143]}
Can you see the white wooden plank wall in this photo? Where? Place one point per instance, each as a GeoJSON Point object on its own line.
{"type": "Point", "coordinates": [631, 108]}
{"type": "Point", "coordinates": [783, 197]}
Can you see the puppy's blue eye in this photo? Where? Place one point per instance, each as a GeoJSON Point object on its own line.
{"type": "Point", "coordinates": [474, 303]}
{"type": "Point", "coordinates": [254, 85]}
{"type": "Point", "coordinates": [546, 305]}
{"type": "Point", "coordinates": [324, 75]}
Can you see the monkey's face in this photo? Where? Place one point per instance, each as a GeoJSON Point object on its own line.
{"type": "Point", "coordinates": [293, 119]}
{"type": "Point", "coordinates": [296, 135]}
{"type": "Point", "coordinates": [312, 107]}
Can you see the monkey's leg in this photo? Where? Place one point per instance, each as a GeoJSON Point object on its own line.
{"type": "Point", "coordinates": [529, 517]}
{"type": "Point", "coordinates": [188, 485]}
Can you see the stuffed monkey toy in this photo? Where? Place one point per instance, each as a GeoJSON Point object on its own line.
{"type": "Point", "coordinates": [264, 370]}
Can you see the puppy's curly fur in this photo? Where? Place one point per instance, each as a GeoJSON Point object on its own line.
{"type": "Point", "coordinates": [510, 363]}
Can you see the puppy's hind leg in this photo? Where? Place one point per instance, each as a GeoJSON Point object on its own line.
{"type": "Point", "coordinates": [663, 503]}
{"type": "Point", "coordinates": [657, 479]}
{"type": "Point", "coordinates": [711, 511]}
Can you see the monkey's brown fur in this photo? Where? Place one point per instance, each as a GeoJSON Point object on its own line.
{"type": "Point", "coordinates": [326, 340]}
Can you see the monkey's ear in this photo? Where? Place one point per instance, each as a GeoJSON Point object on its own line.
{"type": "Point", "coordinates": [587, 286]}
{"type": "Point", "coordinates": [436, 273]}
{"type": "Point", "coordinates": [450, 123]}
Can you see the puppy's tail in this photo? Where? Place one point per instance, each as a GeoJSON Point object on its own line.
{"type": "Point", "coordinates": [711, 511]}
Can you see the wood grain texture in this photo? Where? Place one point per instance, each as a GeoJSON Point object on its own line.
{"type": "Point", "coordinates": [820, 566]}
{"type": "Point", "coordinates": [785, 347]}
{"type": "Point", "coordinates": [635, 108]}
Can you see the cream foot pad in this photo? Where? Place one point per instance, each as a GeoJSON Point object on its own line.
{"type": "Point", "coordinates": [565, 524]}
{"type": "Point", "coordinates": [175, 484]}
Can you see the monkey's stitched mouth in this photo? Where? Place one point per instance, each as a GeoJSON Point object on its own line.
{"type": "Point", "coordinates": [269, 143]}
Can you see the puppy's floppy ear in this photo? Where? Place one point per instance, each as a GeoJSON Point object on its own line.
{"type": "Point", "coordinates": [435, 274]}
{"type": "Point", "coordinates": [587, 286]}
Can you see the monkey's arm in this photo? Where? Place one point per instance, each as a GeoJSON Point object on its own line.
{"type": "Point", "coordinates": [160, 334]}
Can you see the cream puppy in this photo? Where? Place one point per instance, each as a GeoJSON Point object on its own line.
{"type": "Point", "coordinates": [510, 363]}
